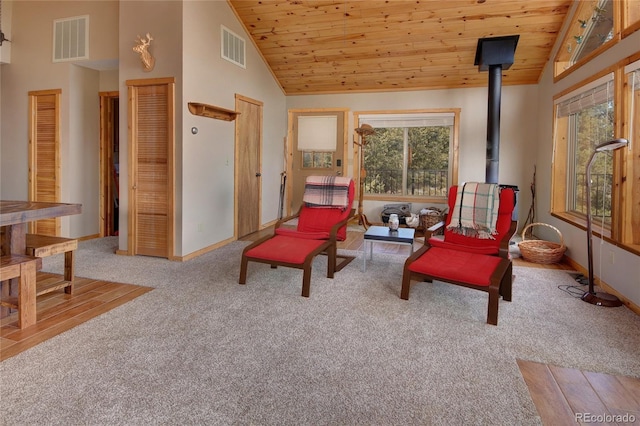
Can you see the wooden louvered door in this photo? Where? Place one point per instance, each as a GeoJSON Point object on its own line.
{"type": "Point", "coordinates": [151, 124]}
{"type": "Point", "coordinates": [44, 155]}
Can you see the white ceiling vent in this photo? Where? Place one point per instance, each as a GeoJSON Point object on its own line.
{"type": "Point", "coordinates": [71, 39]}
{"type": "Point", "coordinates": [233, 47]}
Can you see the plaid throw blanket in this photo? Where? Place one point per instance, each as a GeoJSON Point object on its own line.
{"type": "Point", "coordinates": [327, 191]}
{"type": "Point", "coordinates": [475, 212]}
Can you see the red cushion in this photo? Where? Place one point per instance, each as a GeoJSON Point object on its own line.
{"type": "Point", "coordinates": [489, 249]}
{"type": "Point", "coordinates": [456, 265]}
{"type": "Point", "coordinates": [283, 248]}
{"type": "Point", "coordinates": [316, 221]}
{"type": "Point", "coordinates": [477, 245]}
{"type": "Point", "coordinates": [290, 232]}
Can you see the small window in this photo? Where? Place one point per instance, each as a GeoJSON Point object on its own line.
{"type": "Point", "coordinates": [591, 26]}
{"type": "Point", "coordinates": [317, 160]}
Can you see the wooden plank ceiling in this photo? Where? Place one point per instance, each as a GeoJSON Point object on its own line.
{"type": "Point", "coordinates": [326, 46]}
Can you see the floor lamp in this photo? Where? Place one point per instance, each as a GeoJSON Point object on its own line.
{"type": "Point", "coordinates": [363, 131]}
{"type": "Point", "coordinates": [598, 298]}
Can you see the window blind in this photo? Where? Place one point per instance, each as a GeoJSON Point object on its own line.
{"type": "Point", "coordinates": [408, 120]}
{"type": "Point", "coordinates": [596, 93]}
{"type": "Point", "coordinates": [317, 133]}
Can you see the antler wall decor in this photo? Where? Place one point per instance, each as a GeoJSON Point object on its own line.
{"type": "Point", "coordinates": [142, 47]}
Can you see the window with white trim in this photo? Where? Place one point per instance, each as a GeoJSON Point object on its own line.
{"type": "Point", "coordinates": [410, 153]}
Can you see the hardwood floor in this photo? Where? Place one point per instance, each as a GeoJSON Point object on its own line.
{"type": "Point", "coordinates": [58, 312]}
{"type": "Point", "coordinates": [565, 396]}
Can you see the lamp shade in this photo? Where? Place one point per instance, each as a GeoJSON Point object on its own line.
{"type": "Point", "coordinates": [611, 145]}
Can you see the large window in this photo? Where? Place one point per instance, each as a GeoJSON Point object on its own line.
{"type": "Point", "coordinates": [410, 153]}
{"type": "Point", "coordinates": [584, 119]}
{"type": "Point", "coordinates": [603, 107]}
{"type": "Point", "coordinates": [587, 115]}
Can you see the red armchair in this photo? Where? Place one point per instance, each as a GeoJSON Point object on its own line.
{"type": "Point", "coordinates": [320, 227]}
{"type": "Point", "coordinates": [477, 263]}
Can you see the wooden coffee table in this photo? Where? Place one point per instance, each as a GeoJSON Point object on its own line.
{"type": "Point", "coordinates": [382, 234]}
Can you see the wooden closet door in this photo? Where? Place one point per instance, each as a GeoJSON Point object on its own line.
{"type": "Point", "coordinates": [152, 145]}
{"type": "Point", "coordinates": [248, 165]}
{"type": "Point", "coordinates": [44, 155]}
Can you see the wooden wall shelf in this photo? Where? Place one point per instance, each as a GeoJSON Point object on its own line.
{"type": "Point", "coordinates": [211, 111]}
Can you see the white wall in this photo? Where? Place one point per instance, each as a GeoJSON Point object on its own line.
{"type": "Point", "coordinates": [208, 156]}
{"type": "Point", "coordinates": [518, 128]}
{"type": "Point", "coordinates": [81, 157]}
{"type": "Point", "coordinates": [187, 46]}
{"type": "Point", "coordinates": [32, 69]}
{"type": "Point", "coordinates": [109, 80]}
{"type": "Point", "coordinates": [204, 164]}
{"type": "Point", "coordinates": [6, 24]}
{"type": "Point", "coordinates": [617, 267]}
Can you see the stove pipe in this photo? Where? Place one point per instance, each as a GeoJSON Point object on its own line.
{"type": "Point", "coordinates": [494, 54]}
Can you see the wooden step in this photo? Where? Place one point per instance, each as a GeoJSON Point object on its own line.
{"type": "Point", "coordinates": [48, 287]}
{"type": "Point", "coordinates": [46, 245]}
{"type": "Point", "coordinates": [9, 302]}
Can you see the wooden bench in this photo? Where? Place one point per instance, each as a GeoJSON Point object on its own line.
{"type": "Point", "coordinates": [46, 245]}
{"type": "Point", "coordinates": [23, 268]}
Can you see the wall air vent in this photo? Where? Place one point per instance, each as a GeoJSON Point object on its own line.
{"type": "Point", "coordinates": [233, 47]}
{"type": "Point", "coordinates": [71, 39]}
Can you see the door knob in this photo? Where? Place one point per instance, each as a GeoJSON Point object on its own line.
{"type": "Point", "coordinates": [258, 174]}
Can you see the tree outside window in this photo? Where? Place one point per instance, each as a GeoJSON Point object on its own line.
{"type": "Point", "coordinates": [585, 119]}
{"type": "Point", "coordinates": [409, 154]}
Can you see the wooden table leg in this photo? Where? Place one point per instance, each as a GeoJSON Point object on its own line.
{"type": "Point", "coordinates": [27, 295]}
{"type": "Point", "coordinates": [13, 240]}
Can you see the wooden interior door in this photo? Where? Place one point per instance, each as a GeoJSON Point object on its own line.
{"type": "Point", "coordinates": [151, 157]}
{"type": "Point", "coordinates": [44, 155]}
{"type": "Point", "coordinates": [298, 170]}
{"type": "Point", "coordinates": [248, 165]}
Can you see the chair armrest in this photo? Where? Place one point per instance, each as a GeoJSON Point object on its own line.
{"type": "Point", "coordinates": [257, 243]}
{"type": "Point", "coordinates": [334, 229]}
{"type": "Point", "coordinates": [429, 232]}
{"type": "Point", "coordinates": [282, 221]}
{"type": "Point", "coordinates": [503, 251]}
{"type": "Point", "coordinates": [416, 254]}
{"type": "Point", "coordinates": [267, 237]}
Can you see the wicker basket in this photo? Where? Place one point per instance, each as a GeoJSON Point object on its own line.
{"type": "Point", "coordinates": [431, 217]}
{"type": "Point", "coordinates": [541, 251]}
